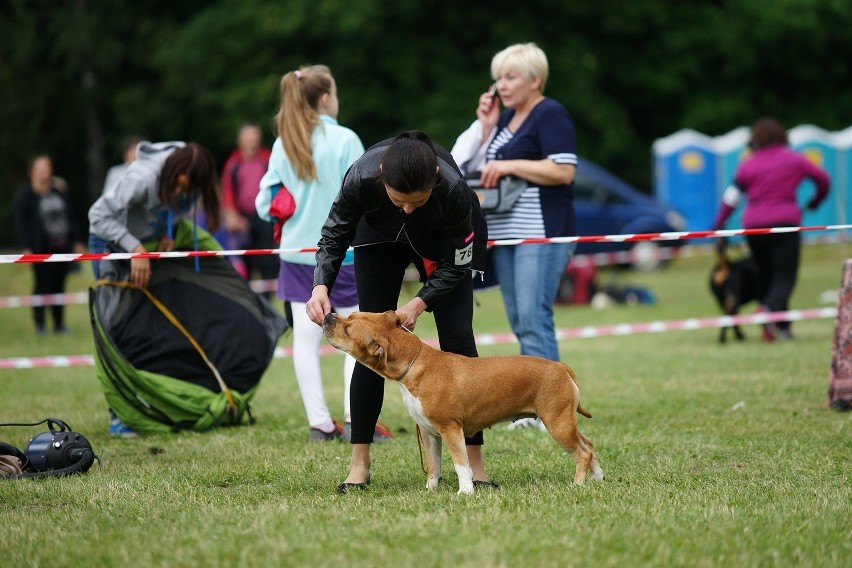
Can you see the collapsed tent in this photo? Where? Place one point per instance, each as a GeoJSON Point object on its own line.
{"type": "Point", "coordinates": [189, 351]}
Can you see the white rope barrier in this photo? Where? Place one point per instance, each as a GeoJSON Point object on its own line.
{"type": "Point", "coordinates": [587, 332]}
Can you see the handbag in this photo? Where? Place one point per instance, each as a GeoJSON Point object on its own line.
{"type": "Point", "coordinates": [282, 208]}
{"type": "Point", "coordinates": [499, 199]}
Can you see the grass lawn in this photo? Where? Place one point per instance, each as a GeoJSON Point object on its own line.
{"type": "Point", "coordinates": [714, 456]}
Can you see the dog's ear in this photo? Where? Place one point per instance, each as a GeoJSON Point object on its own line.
{"type": "Point", "coordinates": [380, 352]}
{"type": "Point", "coordinates": [391, 315]}
{"type": "Point", "coordinates": [394, 319]}
{"type": "Point", "coordinates": [376, 350]}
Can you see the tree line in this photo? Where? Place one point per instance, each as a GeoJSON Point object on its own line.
{"type": "Point", "coordinates": [78, 76]}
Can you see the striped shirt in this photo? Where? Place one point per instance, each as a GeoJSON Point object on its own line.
{"type": "Point", "coordinates": [540, 212]}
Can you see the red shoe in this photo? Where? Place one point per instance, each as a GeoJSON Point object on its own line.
{"type": "Point", "coordinates": [382, 433]}
{"type": "Point", "coordinates": [770, 330]}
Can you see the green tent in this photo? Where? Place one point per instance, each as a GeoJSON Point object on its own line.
{"type": "Point", "coordinates": [189, 351]}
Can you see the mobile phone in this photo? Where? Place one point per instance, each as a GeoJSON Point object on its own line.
{"type": "Point", "coordinates": [492, 90]}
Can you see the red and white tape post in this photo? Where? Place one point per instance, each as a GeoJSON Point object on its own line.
{"type": "Point", "coordinates": [840, 373]}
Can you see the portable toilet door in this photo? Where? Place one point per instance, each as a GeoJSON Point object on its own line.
{"type": "Point", "coordinates": [731, 149]}
{"type": "Point", "coordinates": [685, 176]}
{"type": "Point", "coordinates": [842, 186]}
{"type": "Point", "coordinates": [817, 145]}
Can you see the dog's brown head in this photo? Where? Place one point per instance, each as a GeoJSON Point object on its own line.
{"type": "Point", "coordinates": [377, 341]}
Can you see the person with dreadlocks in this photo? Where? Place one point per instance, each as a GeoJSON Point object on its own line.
{"type": "Point", "coordinates": [148, 206]}
{"type": "Point", "coordinates": [141, 212]}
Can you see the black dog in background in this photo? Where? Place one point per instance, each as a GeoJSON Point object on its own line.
{"type": "Point", "coordinates": [733, 283]}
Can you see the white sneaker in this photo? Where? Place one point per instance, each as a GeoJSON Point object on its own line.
{"type": "Point", "coordinates": [527, 423]}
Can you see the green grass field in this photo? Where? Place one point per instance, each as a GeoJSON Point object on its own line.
{"type": "Point", "coordinates": [714, 456]}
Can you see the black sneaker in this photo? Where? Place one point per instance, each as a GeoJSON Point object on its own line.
{"type": "Point", "coordinates": [318, 435]}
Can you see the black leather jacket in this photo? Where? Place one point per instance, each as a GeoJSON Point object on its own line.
{"type": "Point", "coordinates": [449, 229]}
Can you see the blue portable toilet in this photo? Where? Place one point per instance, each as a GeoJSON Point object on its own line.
{"type": "Point", "coordinates": [685, 176]}
{"type": "Point", "coordinates": [817, 145]}
{"type": "Point", "coordinates": [731, 149]}
{"type": "Point", "coordinates": [842, 186]}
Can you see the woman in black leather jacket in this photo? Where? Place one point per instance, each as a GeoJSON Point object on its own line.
{"type": "Point", "coordinates": [404, 201]}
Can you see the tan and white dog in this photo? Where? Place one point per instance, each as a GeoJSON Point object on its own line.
{"type": "Point", "coordinates": [451, 396]}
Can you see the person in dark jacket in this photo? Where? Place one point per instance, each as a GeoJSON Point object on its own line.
{"type": "Point", "coordinates": [45, 224]}
{"type": "Point", "coordinates": [404, 201]}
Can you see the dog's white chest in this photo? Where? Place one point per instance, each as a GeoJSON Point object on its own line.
{"type": "Point", "coordinates": [415, 409]}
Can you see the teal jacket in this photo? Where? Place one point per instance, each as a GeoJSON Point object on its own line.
{"type": "Point", "coordinates": [334, 149]}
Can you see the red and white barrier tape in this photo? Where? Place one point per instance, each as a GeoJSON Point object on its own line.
{"type": "Point", "coordinates": [261, 286]}
{"type": "Point", "coordinates": [73, 298]}
{"type": "Point", "coordinates": [635, 237]}
{"type": "Point", "coordinates": [44, 300]}
{"type": "Point", "coordinates": [600, 259]}
{"type": "Point", "coordinates": [503, 338]}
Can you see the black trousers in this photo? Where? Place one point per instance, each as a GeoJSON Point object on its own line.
{"type": "Point", "coordinates": [379, 271]}
{"type": "Point", "coordinates": [50, 278]}
{"type": "Point", "coordinates": [776, 257]}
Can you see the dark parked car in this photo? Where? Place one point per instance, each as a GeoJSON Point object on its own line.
{"type": "Point", "coordinates": [604, 204]}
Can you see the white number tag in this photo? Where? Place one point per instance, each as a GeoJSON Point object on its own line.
{"type": "Point", "coordinates": [464, 255]}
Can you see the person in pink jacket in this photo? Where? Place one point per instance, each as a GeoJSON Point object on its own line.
{"type": "Point", "coordinates": [243, 229]}
{"type": "Point", "coordinates": [769, 178]}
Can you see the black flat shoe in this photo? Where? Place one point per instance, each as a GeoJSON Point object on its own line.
{"type": "Point", "coordinates": [485, 484]}
{"type": "Point", "coordinates": [344, 488]}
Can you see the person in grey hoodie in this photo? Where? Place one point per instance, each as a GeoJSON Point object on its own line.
{"type": "Point", "coordinates": [140, 212]}
{"type": "Point", "coordinates": [158, 190]}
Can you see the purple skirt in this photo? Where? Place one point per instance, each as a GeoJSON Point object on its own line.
{"type": "Point", "coordinates": [296, 281]}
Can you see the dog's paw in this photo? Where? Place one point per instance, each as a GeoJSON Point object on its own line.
{"type": "Point", "coordinates": [465, 490]}
{"type": "Point", "coordinates": [597, 473]}
{"type": "Point", "coordinates": [432, 483]}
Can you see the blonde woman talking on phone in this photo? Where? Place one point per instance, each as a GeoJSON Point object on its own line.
{"type": "Point", "coordinates": [530, 138]}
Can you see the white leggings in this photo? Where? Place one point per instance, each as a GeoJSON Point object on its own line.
{"type": "Point", "coordinates": [306, 345]}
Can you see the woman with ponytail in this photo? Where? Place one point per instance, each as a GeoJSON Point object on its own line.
{"type": "Point", "coordinates": [309, 159]}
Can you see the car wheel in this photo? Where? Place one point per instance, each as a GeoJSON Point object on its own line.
{"type": "Point", "coordinates": [565, 293]}
{"type": "Point", "coordinates": [646, 256]}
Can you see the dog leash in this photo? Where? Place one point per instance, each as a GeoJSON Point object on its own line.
{"type": "Point", "coordinates": [420, 448]}
{"type": "Point", "coordinates": [417, 426]}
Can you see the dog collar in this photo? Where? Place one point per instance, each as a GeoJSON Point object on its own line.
{"type": "Point", "coordinates": [402, 376]}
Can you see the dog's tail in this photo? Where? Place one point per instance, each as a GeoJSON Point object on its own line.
{"type": "Point", "coordinates": [580, 408]}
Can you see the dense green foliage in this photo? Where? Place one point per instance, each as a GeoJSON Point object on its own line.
{"type": "Point", "coordinates": [78, 76]}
